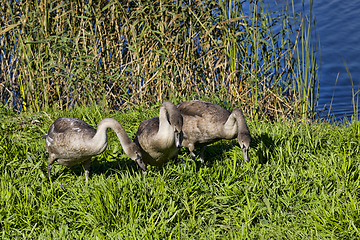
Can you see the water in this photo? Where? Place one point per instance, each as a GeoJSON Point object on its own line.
{"type": "Point", "coordinates": [338, 27]}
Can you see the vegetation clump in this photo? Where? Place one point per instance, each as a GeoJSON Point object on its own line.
{"type": "Point", "coordinates": [68, 53]}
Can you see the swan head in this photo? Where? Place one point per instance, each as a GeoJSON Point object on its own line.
{"type": "Point", "coordinates": [178, 137]}
{"type": "Point", "coordinates": [134, 152]}
{"type": "Point", "coordinates": [244, 140]}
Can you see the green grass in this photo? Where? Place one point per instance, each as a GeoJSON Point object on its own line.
{"type": "Point", "coordinates": [302, 183]}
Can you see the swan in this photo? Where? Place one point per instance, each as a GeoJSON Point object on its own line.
{"type": "Point", "coordinates": [205, 123]}
{"type": "Point", "coordinates": [71, 141]}
{"type": "Point", "coordinates": [160, 137]}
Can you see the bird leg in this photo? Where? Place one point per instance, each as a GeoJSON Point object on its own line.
{"type": "Point", "coordinates": [87, 164]}
{"type": "Point", "coordinates": [202, 156]}
{"type": "Point", "coordinates": [49, 167]}
{"type": "Point", "coordinates": [191, 149]}
{"type": "Point", "coordinates": [193, 155]}
{"type": "Point", "coordinates": [176, 159]}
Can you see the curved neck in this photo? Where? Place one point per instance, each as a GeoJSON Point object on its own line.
{"type": "Point", "coordinates": [240, 120]}
{"type": "Point", "coordinates": [165, 130]}
{"type": "Point", "coordinates": [231, 127]}
{"type": "Point", "coordinates": [99, 141]}
{"type": "Point", "coordinates": [235, 124]}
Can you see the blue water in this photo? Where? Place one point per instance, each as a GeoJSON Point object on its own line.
{"type": "Point", "coordinates": [338, 28]}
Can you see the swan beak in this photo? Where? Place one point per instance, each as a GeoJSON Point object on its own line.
{"type": "Point", "coordinates": [178, 139]}
{"type": "Point", "coordinates": [245, 155]}
{"type": "Point", "coordinates": [141, 164]}
{"type": "Point", "coordinates": [177, 143]}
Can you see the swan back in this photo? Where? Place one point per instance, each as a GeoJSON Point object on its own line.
{"type": "Point", "coordinates": [204, 110]}
{"type": "Point", "coordinates": [71, 141]}
{"type": "Point", "coordinates": [205, 123]}
{"type": "Point", "coordinates": [68, 138]}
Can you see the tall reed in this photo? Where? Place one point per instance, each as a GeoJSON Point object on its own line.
{"type": "Point", "coordinates": [66, 53]}
{"type": "Point", "coordinates": [355, 95]}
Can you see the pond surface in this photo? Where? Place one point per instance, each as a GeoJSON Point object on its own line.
{"type": "Point", "coordinates": [338, 27]}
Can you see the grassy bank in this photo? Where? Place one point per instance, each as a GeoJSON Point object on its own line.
{"type": "Point", "coordinates": [302, 183]}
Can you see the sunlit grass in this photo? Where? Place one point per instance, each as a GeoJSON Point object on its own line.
{"type": "Point", "coordinates": [302, 182]}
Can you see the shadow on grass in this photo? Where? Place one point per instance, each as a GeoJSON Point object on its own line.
{"type": "Point", "coordinates": [264, 145]}
{"type": "Point", "coordinates": [100, 166]}
{"type": "Point", "coordinates": [213, 153]}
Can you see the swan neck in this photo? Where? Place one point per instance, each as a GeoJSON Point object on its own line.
{"type": "Point", "coordinates": [241, 122]}
{"type": "Point", "coordinates": [231, 127]}
{"type": "Point", "coordinates": [235, 124]}
{"type": "Point", "coordinates": [100, 138]}
{"type": "Point", "coordinates": [164, 122]}
{"type": "Point", "coordinates": [165, 134]}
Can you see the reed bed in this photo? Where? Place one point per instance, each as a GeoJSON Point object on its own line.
{"type": "Point", "coordinates": [127, 53]}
